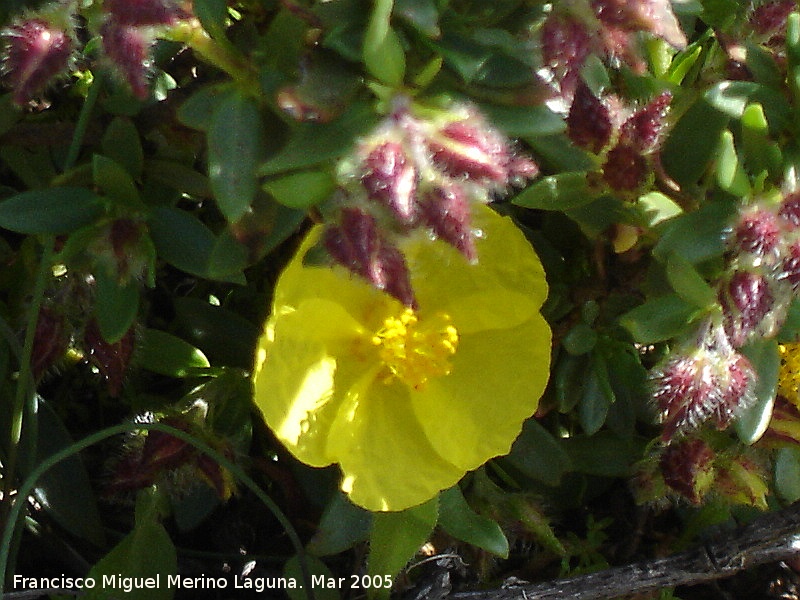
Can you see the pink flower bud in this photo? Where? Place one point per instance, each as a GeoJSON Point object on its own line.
{"type": "Point", "coordinates": [50, 340]}
{"type": "Point", "coordinates": [112, 360]}
{"type": "Point", "coordinates": [589, 121]}
{"type": "Point", "coordinates": [746, 299]}
{"type": "Point", "coordinates": [654, 16]}
{"type": "Point", "coordinates": [391, 179]}
{"type": "Point", "coordinates": [685, 390]}
{"type": "Point", "coordinates": [790, 270]}
{"type": "Point", "coordinates": [687, 467]}
{"type": "Point", "coordinates": [128, 47]}
{"type": "Point", "coordinates": [737, 381]}
{"type": "Point", "coordinates": [472, 150]}
{"type": "Point", "coordinates": [789, 211]}
{"type": "Point", "coordinates": [643, 129]}
{"type": "Point", "coordinates": [446, 211]}
{"type": "Point", "coordinates": [35, 52]}
{"type": "Point", "coordinates": [757, 231]}
{"type": "Point", "coordinates": [770, 18]}
{"type": "Point", "coordinates": [356, 244]}
{"type": "Point", "coordinates": [143, 12]}
{"type": "Point", "coordinates": [565, 46]}
{"type": "Point", "coordinates": [625, 169]}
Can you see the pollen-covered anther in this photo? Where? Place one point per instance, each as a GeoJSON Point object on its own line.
{"type": "Point", "coordinates": [414, 351]}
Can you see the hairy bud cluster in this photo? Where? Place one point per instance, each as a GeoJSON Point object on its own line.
{"type": "Point", "coordinates": [708, 380]}
{"type": "Point", "coordinates": [609, 28]}
{"type": "Point", "coordinates": [415, 174]}
{"type": "Point", "coordinates": [35, 51]}
{"type": "Point", "coordinates": [626, 152]}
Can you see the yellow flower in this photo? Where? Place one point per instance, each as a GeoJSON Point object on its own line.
{"type": "Point", "coordinates": [406, 402]}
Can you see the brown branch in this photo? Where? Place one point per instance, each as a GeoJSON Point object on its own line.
{"type": "Point", "coordinates": [769, 538]}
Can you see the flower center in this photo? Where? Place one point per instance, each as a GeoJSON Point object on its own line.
{"type": "Point", "coordinates": [413, 352]}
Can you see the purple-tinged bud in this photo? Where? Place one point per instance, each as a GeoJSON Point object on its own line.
{"type": "Point", "coordinates": [356, 244]}
{"type": "Point", "coordinates": [643, 128]}
{"type": "Point", "coordinates": [770, 18]}
{"type": "Point", "coordinates": [391, 179]}
{"type": "Point", "coordinates": [790, 270]}
{"type": "Point", "coordinates": [654, 16]}
{"type": "Point", "coordinates": [144, 12]}
{"type": "Point", "coordinates": [128, 47]}
{"type": "Point", "coordinates": [688, 468]}
{"type": "Point", "coordinates": [112, 360]}
{"type": "Point", "coordinates": [685, 391]}
{"type": "Point", "coordinates": [757, 231]}
{"type": "Point", "coordinates": [737, 381]}
{"type": "Point", "coordinates": [589, 121]}
{"type": "Point", "coordinates": [789, 211]}
{"type": "Point", "coordinates": [565, 46]}
{"type": "Point", "coordinates": [472, 150]}
{"type": "Point", "coordinates": [50, 341]}
{"type": "Point", "coordinates": [746, 298]}
{"type": "Point", "coordinates": [35, 52]}
{"type": "Point", "coordinates": [446, 211]}
{"type": "Point", "coordinates": [625, 169]}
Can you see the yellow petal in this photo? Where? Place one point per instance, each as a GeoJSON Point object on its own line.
{"type": "Point", "coordinates": [387, 460]}
{"type": "Point", "coordinates": [477, 411]}
{"type": "Point", "coordinates": [295, 375]}
{"type": "Point", "coordinates": [506, 287]}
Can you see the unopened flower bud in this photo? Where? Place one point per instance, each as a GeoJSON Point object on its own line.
{"type": "Point", "coordinates": [446, 211]}
{"type": "Point", "coordinates": [790, 269]}
{"type": "Point", "coordinates": [589, 121]}
{"type": "Point", "coordinates": [742, 481]}
{"type": "Point", "coordinates": [144, 12]}
{"type": "Point", "coordinates": [757, 232]}
{"type": "Point", "coordinates": [770, 18]}
{"type": "Point", "coordinates": [642, 129]}
{"type": "Point", "coordinates": [391, 179]}
{"type": "Point", "coordinates": [472, 150]}
{"type": "Point", "coordinates": [736, 379]}
{"type": "Point", "coordinates": [50, 340]}
{"type": "Point", "coordinates": [35, 52]}
{"type": "Point", "coordinates": [625, 169]}
{"type": "Point", "coordinates": [128, 48]}
{"type": "Point", "coordinates": [687, 467]}
{"type": "Point", "coordinates": [654, 16]}
{"type": "Point", "coordinates": [789, 211]}
{"type": "Point", "coordinates": [357, 244]}
{"type": "Point", "coordinates": [747, 302]}
{"type": "Point", "coordinates": [565, 46]}
{"type": "Point", "coordinates": [112, 360]}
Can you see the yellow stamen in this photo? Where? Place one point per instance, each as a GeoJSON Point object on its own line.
{"type": "Point", "coordinates": [413, 352]}
{"type": "Point", "coordinates": [789, 374]}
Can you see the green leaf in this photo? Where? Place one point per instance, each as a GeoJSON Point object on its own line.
{"type": "Point", "coordinates": [658, 319]}
{"type": "Point", "coordinates": [179, 177]}
{"type": "Point", "coordinates": [318, 570]}
{"type": "Point", "coordinates": [538, 455]}
{"type": "Point", "coordinates": [760, 152]}
{"type": "Point", "coordinates": [116, 305]}
{"type": "Point", "coordinates": [730, 173]}
{"type": "Point", "coordinates": [342, 526]}
{"type": "Point", "coordinates": [302, 190]}
{"type": "Point", "coordinates": [52, 211]}
{"type": "Point", "coordinates": [693, 142]}
{"type": "Point", "coordinates": [163, 353]}
{"type": "Point", "coordinates": [421, 14]}
{"type": "Point", "coordinates": [396, 537]}
{"type": "Point", "coordinates": [383, 53]}
{"type": "Point", "coordinates": [688, 283]}
{"type": "Point", "coordinates": [765, 359]}
{"type": "Point", "coordinates": [605, 454]}
{"type": "Point", "coordinates": [562, 192]}
{"type": "Point", "coordinates": [524, 121]}
{"type": "Point", "coordinates": [229, 400]}
{"type": "Point", "coordinates": [116, 183]}
{"type": "Point", "coordinates": [225, 337]}
{"type": "Point", "coordinates": [186, 243]}
{"type": "Point", "coordinates": [696, 236]}
{"type": "Point", "coordinates": [234, 150]}
{"type": "Point", "coordinates": [121, 143]}
{"type": "Point", "coordinates": [787, 474]}
{"type": "Point", "coordinates": [65, 490]}
{"type": "Point", "coordinates": [569, 381]}
{"type": "Point", "coordinates": [580, 339]}
{"type": "Point", "coordinates": [312, 143]}
{"type": "Point", "coordinates": [598, 396]}
{"type": "Point", "coordinates": [458, 519]}
{"type": "Point", "coordinates": [196, 110]}
{"type": "Point", "coordinates": [228, 259]}
{"type": "Point", "coordinates": [146, 553]}
{"type": "Point", "coordinates": [212, 15]}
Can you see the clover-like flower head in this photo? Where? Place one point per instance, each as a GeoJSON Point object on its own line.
{"type": "Point", "coordinates": [407, 400]}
